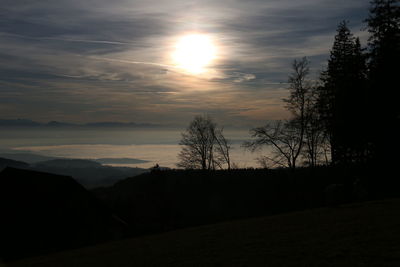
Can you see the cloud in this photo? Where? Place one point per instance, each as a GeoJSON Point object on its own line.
{"type": "Point", "coordinates": [99, 60]}
{"type": "Point", "coordinates": [243, 77]}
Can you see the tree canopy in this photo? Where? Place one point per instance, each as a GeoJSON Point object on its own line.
{"type": "Point", "coordinates": [204, 146]}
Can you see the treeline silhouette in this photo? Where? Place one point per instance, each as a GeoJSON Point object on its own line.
{"type": "Point", "coordinates": [43, 213]}
{"type": "Point", "coordinates": [166, 200]}
{"type": "Point", "coordinates": [358, 97]}
{"type": "Point", "coordinates": [351, 113]}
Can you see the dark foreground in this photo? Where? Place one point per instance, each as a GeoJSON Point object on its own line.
{"type": "Point", "coordinates": [361, 234]}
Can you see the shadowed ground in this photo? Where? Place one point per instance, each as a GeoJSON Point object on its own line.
{"type": "Point", "coordinates": [364, 234]}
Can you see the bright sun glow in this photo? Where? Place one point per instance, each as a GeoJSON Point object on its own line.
{"type": "Point", "coordinates": [194, 53]}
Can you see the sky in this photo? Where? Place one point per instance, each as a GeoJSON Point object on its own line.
{"type": "Point", "coordinates": [100, 60]}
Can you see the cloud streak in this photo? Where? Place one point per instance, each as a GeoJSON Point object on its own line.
{"type": "Point", "coordinates": [95, 60]}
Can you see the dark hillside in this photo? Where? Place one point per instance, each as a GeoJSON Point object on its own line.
{"type": "Point", "coordinates": [88, 173]}
{"type": "Point", "coordinates": [42, 212]}
{"type": "Point", "coordinates": [12, 163]}
{"type": "Point", "coordinates": [165, 200]}
{"type": "Point", "coordinates": [358, 235]}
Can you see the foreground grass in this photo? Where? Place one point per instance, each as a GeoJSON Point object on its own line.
{"type": "Point", "coordinates": [364, 234]}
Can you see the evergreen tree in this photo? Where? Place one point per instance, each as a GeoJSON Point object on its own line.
{"type": "Point", "coordinates": [342, 98]}
{"type": "Point", "coordinates": [384, 58]}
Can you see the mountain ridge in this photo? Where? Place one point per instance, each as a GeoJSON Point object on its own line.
{"type": "Point", "coordinates": [55, 124]}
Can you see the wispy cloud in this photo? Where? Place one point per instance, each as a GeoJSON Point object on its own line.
{"type": "Point", "coordinates": [101, 60]}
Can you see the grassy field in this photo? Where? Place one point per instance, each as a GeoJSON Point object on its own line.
{"type": "Point", "coordinates": [363, 234]}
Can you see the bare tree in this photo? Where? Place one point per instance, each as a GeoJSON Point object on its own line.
{"type": "Point", "coordinates": [299, 98]}
{"type": "Point", "coordinates": [287, 138]}
{"type": "Point", "coordinates": [203, 145]}
{"type": "Point", "coordinates": [283, 137]}
{"type": "Point", "coordinates": [223, 148]}
{"type": "Point", "coordinates": [316, 142]}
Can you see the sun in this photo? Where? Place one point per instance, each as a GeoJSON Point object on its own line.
{"type": "Point", "coordinates": [194, 53]}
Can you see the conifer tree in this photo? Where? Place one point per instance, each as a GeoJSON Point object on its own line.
{"type": "Point", "coordinates": [342, 98]}
{"type": "Point", "coordinates": [383, 97]}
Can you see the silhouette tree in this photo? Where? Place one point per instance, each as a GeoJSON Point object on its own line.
{"type": "Point", "coordinates": [316, 146]}
{"type": "Point", "coordinates": [223, 149]}
{"type": "Point", "coordinates": [342, 98]}
{"type": "Point", "coordinates": [203, 145]}
{"type": "Point", "coordinates": [287, 138]}
{"type": "Point", "coordinates": [284, 139]}
{"type": "Point", "coordinates": [299, 94]}
{"type": "Point", "coordinates": [384, 57]}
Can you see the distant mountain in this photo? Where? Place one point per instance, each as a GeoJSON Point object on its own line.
{"type": "Point", "coordinates": [120, 161]}
{"type": "Point", "coordinates": [19, 122]}
{"type": "Point", "coordinates": [89, 173]}
{"type": "Point", "coordinates": [26, 157]}
{"type": "Point", "coordinates": [12, 163]}
{"type": "Point", "coordinates": [68, 163]}
{"type": "Point", "coordinates": [120, 124]}
{"type": "Point", "coordinates": [42, 212]}
{"type": "Point", "coordinates": [59, 124]}
{"type": "Point", "coordinates": [35, 158]}
{"type": "Point", "coordinates": [30, 123]}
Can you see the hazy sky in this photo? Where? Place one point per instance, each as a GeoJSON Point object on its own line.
{"type": "Point", "coordinates": [101, 60]}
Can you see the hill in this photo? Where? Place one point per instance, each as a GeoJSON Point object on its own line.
{"type": "Point", "coordinates": [362, 234]}
{"type": "Point", "coordinates": [42, 212]}
{"type": "Point", "coordinates": [12, 163]}
{"type": "Point", "coordinates": [120, 161]}
{"type": "Point", "coordinates": [35, 158]}
{"type": "Point", "coordinates": [29, 158]}
{"type": "Point", "coordinates": [89, 173]}
{"type": "Point", "coordinates": [57, 124]}
{"type": "Point", "coordinates": [172, 199]}
{"type": "Point", "coordinates": [69, 163]}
